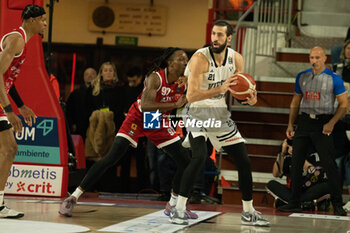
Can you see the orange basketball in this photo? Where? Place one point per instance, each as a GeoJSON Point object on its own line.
{"type": "Point", "coordinates": [245, 85]}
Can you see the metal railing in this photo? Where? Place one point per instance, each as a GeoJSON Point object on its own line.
{"type": "Point", "coordinates": [272, 20]}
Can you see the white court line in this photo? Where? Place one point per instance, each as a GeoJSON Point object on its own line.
{"type": "Point", "coordinates": [156, 222]}
{"type": "Point", "coordinates": [16, 226]}
{"type": "Point", "coordinates": [320, 216]}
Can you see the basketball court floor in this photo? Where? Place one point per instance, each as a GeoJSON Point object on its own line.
{"type": "Point", "coordinates": [120, 214]}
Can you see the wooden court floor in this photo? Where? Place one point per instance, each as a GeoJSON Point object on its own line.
{"type": "Point", "coordinates": [94, 215]}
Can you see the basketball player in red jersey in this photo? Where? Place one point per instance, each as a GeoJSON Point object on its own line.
{"type": "Point", "coordinates": [163, 92]}
{"type": "Point", "coordinates": [12, 55]}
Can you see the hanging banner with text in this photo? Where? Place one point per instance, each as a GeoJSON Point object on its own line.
{"type": "Point", "coordinates": [128, 18]}
{"type": "Point", "coordinates": [39, 144]}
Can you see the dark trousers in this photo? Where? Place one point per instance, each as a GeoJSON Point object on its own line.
{"type": "Point", "coordinates": [285, 194]}
{"type": "Point", "coordinates": [309, 131]}
{"type": "Point", "coordinates": [238, 154]}
{"type": "Point", "coordinates": [162, 168]}
{"type": "Point", "coordinates": [175, 150]}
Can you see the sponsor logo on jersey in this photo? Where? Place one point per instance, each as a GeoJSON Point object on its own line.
{"type": "Point", "coordinates": [311, 95]}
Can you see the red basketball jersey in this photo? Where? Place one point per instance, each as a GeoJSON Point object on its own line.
{"type": "Point", "coordinates": [132, 127]}
{"type": "Point", "coordinates": [12, 72]}
{"type": "Point", "coordinates": [166, 93]}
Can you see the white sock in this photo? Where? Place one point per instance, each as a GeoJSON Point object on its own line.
{"type": "Point", "coordinates": [77, 193]}
{"type": "Point", "coordinates": [248, 206]}
{"type": "Point", "coordinates": [173, 199]}
{"type": "Point", "coordinates": [2, 197]}
{"type": "Point", "coordinates": [181, 203]}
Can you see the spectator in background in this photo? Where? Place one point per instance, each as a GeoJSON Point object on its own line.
{"type": "Point", "coordinates": [314, 183]}
{"type": "Point", "coordinates": [336, 50]}
{"type": "Point", "coordinates": [107, 97]}
{"type": "Point", "coordinates": [108, 93]}
{"type": "Point", "coordinates": [343, 67]}
{"type": "Point", "coordinates": [342, 155]}
{"type": "Point", "coordinates": [77, 109]}
{"type": "Point", "coordinates": [132, 91]}
{"type": "Point", "coordinates": [341, 141]}
{"type": "Point", "coordinates": [134, 87]}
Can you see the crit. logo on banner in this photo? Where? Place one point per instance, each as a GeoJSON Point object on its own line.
{"type": "Point", "coordinates": [20, 186]}
{"type": "Point", "coordinates": [151, 120]}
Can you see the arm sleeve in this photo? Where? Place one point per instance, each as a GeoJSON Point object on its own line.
{"type": "Point", "coordinates": [15, 96]}
{"type": "Point", "coordinates": [297, 85]}
{"type": "Point", "coordinates": [338, 85]}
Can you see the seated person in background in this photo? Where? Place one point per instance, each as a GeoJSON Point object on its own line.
{"type": "Point", "coordinates": [314, 177]}
{"type": "Point", "coordinates": [340, 139]}
{"type": "Point", "coordinates": [343, 67]}
{"type": "Point", "coordinates": [336, 50]}
{"type": "Point", "coordinates": [342, 155]}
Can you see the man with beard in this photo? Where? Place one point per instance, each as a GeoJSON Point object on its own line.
{"type": "Point", "coordinates": [210, 72]}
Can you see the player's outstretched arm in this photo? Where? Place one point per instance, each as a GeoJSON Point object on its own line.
{"type": "Point", "coordinates": [148, 99]}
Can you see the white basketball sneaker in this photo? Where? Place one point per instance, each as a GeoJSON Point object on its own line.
{"type": "Point", "coordinates": [254, 219]}
{"type": "Point", "coordinates": [6, 212]}
{"type": "Point", "coordinates": [346, 207]}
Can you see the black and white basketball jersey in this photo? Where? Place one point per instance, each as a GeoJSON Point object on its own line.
{"type": "Point", "coordinates": [216, 106]}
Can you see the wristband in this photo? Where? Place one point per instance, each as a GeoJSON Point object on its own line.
{"type": "Point", "coordinates": [8, 108]}
{"type": "Point", "coordinates": [15, 96]}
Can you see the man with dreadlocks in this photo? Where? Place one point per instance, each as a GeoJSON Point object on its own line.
{"type": "Point", "coordinates": [163, 92]}
{"type": "Point", "coordinates": [12, 55]}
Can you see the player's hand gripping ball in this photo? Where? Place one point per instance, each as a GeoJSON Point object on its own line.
{"type": "Point", "coordinates": [245, 85]}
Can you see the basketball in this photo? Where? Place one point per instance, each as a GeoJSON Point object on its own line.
{"type": "Point", "coordinates": [245, 85]}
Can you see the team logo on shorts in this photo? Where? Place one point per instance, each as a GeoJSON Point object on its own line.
{"type": "Point", "coordinates": [131, 133]}
{"type": "Point", "coordinates": [151, 120]}
{"type": "Point", "coordinates": [133, 126]}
